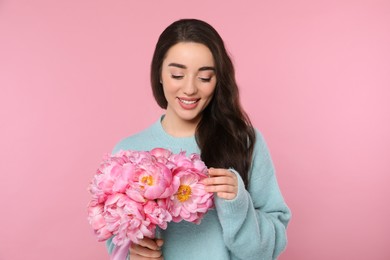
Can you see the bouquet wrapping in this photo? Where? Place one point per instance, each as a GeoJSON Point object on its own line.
{"type": "Point", "coordinates": [134, 192]}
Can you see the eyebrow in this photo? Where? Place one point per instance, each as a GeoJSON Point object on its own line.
{"type": "Point", "coordinates": [181, 66]}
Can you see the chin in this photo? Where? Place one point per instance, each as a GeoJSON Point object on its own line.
{"type": "Point", "coordinates": [190, 118]}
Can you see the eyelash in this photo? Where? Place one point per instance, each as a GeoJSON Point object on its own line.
{"type": "Point", "coordinates": [180, 77]}
{"type": "Point", "coordinates": [205, 79]}
{"type": "Point", "coordinates": [176, 77]}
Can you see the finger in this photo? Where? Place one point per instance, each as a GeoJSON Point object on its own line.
{"type": "Point", "coordinates": [220, 172]}
{"type": "Point", "coordinates": [149, 243]}
{"type": "Point", "coordinates": [144, 251]}
{"type": "Point", "coordinates": [139, 257]}
{"type": "Point", "coordinates": [159, 242]}
{"type": "Point", "coordinates": [220, 181]}
{"type": "Point", "coordinates": [226, 196]}
{"type": "Point", "coordinates": [221, 188]}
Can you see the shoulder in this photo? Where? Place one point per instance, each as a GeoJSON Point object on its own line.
{"type": "Point", "coordinates": [262, 164]}
{"type": "Point", "coordinates": [136, 141]}
{"type": "Point", "coordinates": [260, 143]}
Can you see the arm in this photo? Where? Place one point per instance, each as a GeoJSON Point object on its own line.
{"type": "Point", "coordinates": [254, 222]}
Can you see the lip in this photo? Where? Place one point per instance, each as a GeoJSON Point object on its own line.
{"type": "Point", "coordinates": [188, 103]}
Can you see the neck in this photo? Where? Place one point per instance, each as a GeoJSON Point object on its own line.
{"type": "Point", "coordinates": [179, 128]}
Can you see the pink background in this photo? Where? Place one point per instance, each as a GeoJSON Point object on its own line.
{"type": "Point", "coordinates": [314, 77]}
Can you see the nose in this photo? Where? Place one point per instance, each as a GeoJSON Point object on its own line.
{"type": "Point", "coordinates": [190, 87]}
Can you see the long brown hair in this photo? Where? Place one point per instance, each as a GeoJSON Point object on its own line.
{"type": "Point", "coordinates": [224, 134]}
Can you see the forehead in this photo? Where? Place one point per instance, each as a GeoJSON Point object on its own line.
{"type": "Point", "coordinates": [190, 54]}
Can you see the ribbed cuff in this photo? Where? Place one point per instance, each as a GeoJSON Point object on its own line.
{"type": "Point", "coordinates": [237, 206]}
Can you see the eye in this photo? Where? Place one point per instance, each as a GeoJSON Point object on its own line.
{"type": "Point", "coordinates": [176, 76]}
{"type": "Point", "coordinates": [205, 79]}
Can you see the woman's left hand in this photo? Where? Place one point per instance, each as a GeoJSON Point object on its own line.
{"type": "Point", "coordinates": [223, 182]}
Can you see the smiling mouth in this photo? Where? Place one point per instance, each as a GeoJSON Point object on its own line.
{"type": "Point", "coordinates": [188, 102]}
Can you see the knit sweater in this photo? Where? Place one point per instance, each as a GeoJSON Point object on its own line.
{"type": "Point", "coordinates": [251, 226]}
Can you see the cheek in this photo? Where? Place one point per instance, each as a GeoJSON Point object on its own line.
{"type": "Point", "coordinates": [210, 91]}
{"type": "Point", "coordinates": [170, 87]}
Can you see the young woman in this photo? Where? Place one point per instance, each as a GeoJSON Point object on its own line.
{"type": "Point", "coordinates": [192, 77]}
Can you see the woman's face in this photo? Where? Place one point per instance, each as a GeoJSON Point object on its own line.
{"type": "Point", "coordinates": [188, 78]}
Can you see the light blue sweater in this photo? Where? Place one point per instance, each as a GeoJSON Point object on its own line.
{"type": "Point", "coordinates": [251, 226]}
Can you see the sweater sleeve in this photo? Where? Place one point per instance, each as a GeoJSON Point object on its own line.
{"type": "Point", "coordinates": [254, 223]}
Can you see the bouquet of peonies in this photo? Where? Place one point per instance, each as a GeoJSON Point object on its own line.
{"type": "Point", "coordinates": [133, 192]}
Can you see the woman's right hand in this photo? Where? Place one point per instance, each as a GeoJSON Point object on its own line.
{"type": "Point", "coordinates": [147, 248]}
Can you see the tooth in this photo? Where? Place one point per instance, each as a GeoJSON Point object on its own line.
{"type": "Point", "coordinates": [187, 101]}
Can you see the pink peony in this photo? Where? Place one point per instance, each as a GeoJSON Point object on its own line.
{"type": "Point", "coordinates": [191, 201]}
{"type": "Point", "coordinates": [157, 213]}
{"type": "Point", "coordinates": [126, 220]}
{"type": "Point", "coordinates": [112, 176]}
{"type": "Point", "coordinates": [163, 156]}
{"type": "Point", "coordinates": [97, 221]}
{"type": "Point", "coordinates": [193, 161]}
{"type": "Point", "coordinates": [151, 180]}
{"type": "Point", "coordinates": [102, 183]}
